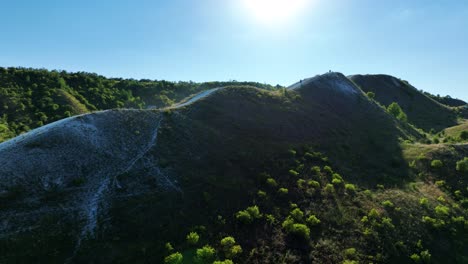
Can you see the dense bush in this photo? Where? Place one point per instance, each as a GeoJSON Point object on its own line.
{"type": "Point", "coordinates": [442, 211]}
{"type": "Point", "coordinates": [227, 242]}
{"type": "Point", "coordinates": [293, 173]}
{"type": "Point", "coordinates": [388, 204]}
{"type": "Point", "coordinates": [437, 164]}
{"type": "Point", "coordinates": [462, 165]}
{"type": "Point", "coordinates": [300, 230]}
{"type": "Point", "coordinates": [175, 258]}
{"type": "Point", "coordinates": [395, 110]}
{"type": "Point", "coordinates": [271, 182]}
{"type": "Point", "coordinates": [226, 261]}
{"type": "Point", "coordinates": [230, 248]}
{"type": "Point", "coordinates": [312, 220]}
{"type": "Point", "coordinates": [297, 214]}
{"type": "Point", "coordinates": [248, 215]}
{"type": "Point", "coordinates": [313, 184]}
{"type": "Point", "coordinates": [244, 217]}
{"type": "Point", "coordinates": [192, 238]}
{"type": "Point", "coordinates": [205, 255]}
{"type": "Point", "coordinates": [371, 95]}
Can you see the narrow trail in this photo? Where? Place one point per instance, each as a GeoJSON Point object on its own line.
{"type": "Point", "coordinates": [195, 98]}
{"type": "Point", "coordinates": [95, 204]}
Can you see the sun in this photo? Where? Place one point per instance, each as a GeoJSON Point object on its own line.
{"type": "Point", "coordinates": [272, 11]}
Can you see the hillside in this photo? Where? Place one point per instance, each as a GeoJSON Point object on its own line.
{"type": "Point", "coordinates": [422, 111]}
{"type": "Point", "coordinates": [447, 100]}
{"type": "Point", "coordinates": [30, 98]}
{"type": "Point", "coordinates": [317, 172]}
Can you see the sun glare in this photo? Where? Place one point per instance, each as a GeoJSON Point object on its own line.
{"type": "Point", "coordinates": [272, 11]}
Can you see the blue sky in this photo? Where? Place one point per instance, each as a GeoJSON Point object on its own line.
{"type": "Point", "coordinates": [424, 42]}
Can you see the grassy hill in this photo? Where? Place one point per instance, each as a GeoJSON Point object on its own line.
{"type": "Point", "coordinates": [315, 173]}
{"type": "Point", "coordinates": [447, 100]}
{"type": "Point", "coordinates": [30, 98]}
{"type": "Point", "coordinates": [422, 111]}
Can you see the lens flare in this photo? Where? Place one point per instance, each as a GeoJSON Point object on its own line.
{"type": "Point", "coordinates": [272, 11]}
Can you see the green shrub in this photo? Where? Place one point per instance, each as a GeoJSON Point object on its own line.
{"type": "Point", "coordinates": [347, 261]}
{"type": "Point", "coordinates": [371, 95]}
{"type": "Point", "coordinates": [337, 176]}
{"type": "Point", "coordinates": [292, 152]}
{"type": "Point", "coordinates": [248, 215]}
{"type": "Point", "coordinates": [226, 261]}
{"type": "Point", "coordinates": [313, 184]}
{"type": "Point", "coordinates": [350, 252]}
{"type": "Point", "coordinates": [229, 247]}
{"type": "Point", "coordinates": [262, 194]}
{"type": "Point", "coordinates": [270, 219]}
{"type": "Point", "coordinates": [293, 173]}
{"type": "Point", "coordinates": [416, 258]}
{"type": "Point", "coordinates": [192, 238]}
{"type": "Point", "coordinates": [205, 255]}
{"type": "Point", "coordinates": [315, 170]}
{"type": "Point", "coordinates": [297, 214]}
{"type": "Point", "coordinates": [271, 182]}
{"type": "Point", "coordinates": [329, 188]}
{"type": "Point", "coordinates": [462, 165]}
{"type": "Point", "coordinates": [169, 247]}
{"type": "Point", "coordinates": [395, 110]}
{"type": "Point", "coordinates": [244, 217]}
{"type": "Point", "coordinates": [367, 193]}
{"type": "Point", "coordinates": [440, 183]}
{"type": "Point", "coordinates": [283, 191]}
{"type": "Point", "coordinates": [442, 211]}
{"type": "Point", "coordinates": [351, 188]}
{"type": "Point", "coordinates": [233, 251]}
{"type": "Point", "coordinates": [228, 242]}
{"type": "Point", "coordinates": [436, 164]}
{"type": "Point", "coordinates": [312, 220]}
{"type": "Point", "coordinates": [425, 256]}
{"type": "Point", "coordinates": [441, 199]}
{"type": "Point", "coordinates": [174, 258]}
{"type": "Point", "coordinates": [296, 229]}
{"type": "Point", "coordinates": [459, 220]}
{"type": "Point", "coordinates": [388, 204]}
{"type": "Point", "coordinates": [328, 170]}
{"type": "Point", "coordinates": [288, 223]}
{"type": "Point", "coordinates": [435, 223]}
{"type": "Point", "coordinates": [300, 183]}
{"type": "Point", "coordinates": [254, 212]}
{"type": "Point", "coordinates": [424, 202]}
{"type": "Point", "coordinates": [387, 223]}
{"type": "Point", "coordinates": [337, 181]}
{"type": "Point", "coordinates": [300, 230]}
{"type": "Point", "coordinates": [373, 214]}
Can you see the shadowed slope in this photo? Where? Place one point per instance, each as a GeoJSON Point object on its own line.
{"type": "Point", "coordinates": [422, 111]}
{"type": "Point", "coordinates": [87, 183]}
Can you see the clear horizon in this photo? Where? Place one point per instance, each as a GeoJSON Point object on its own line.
{"type": "Point", "coordinates": [268, 41]}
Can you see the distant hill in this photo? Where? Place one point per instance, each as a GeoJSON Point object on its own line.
{"type": "Point", "coordinates": [30, 98]}
{"type": "Point", "coordinates": [423, 111]}
{"type": "Point", "coordinates": [447, 100]}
